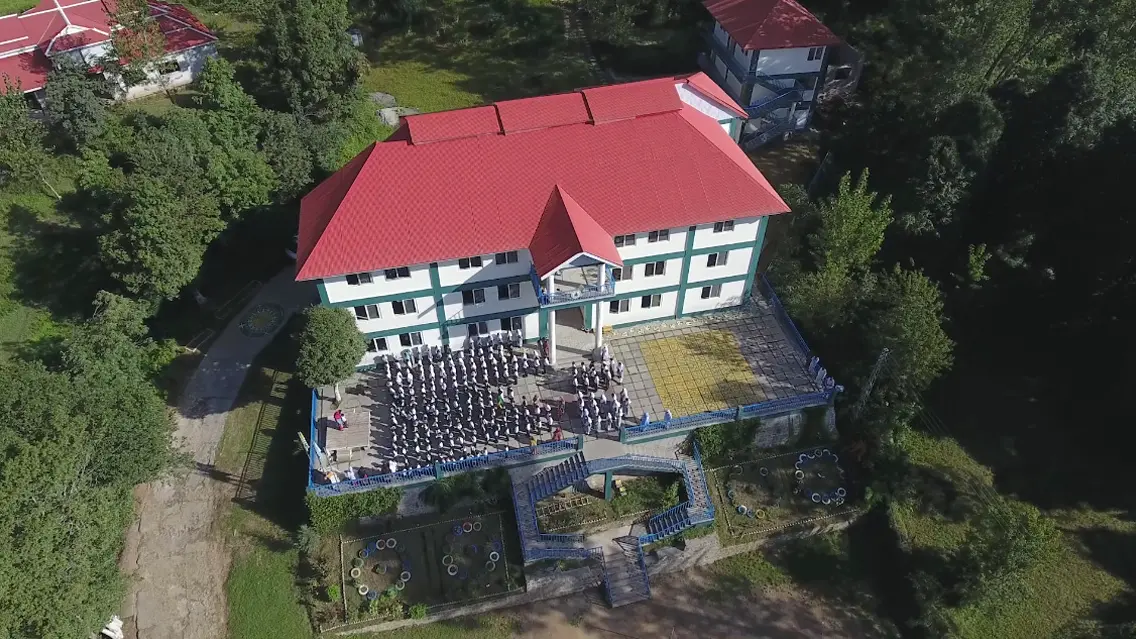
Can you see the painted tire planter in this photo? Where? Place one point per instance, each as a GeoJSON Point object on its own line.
{"type": "Point", "coordinates": [490, 566]}
{"type": "Point", "coordinates": [363, 590]}
{"type": "Point", "coordinates": [355, 572]}
{"type": "Point", "coordinates": [816, 498]}
{"type": "Point", "coordinates": [817, 453]}
{"type": "Point", "coordinates": [399, 585]}
{"type": "Point", "coordinates": [494, 556]}
{"type": "Point", "coordinates": [840, 492]}
{"type": "Point", "coordinates": [457, 530]}
{"type": "Point", "coordinates": [760, 513]}
{"type": "Point", "coordinates": [452, 570]}
{"type": "Point", "coordinates": [497, 545]}
{"type": "Point", "coordinates": [742, 510]}
{"type": "Point", "coordinates": [447, 560]}
{"type": "Point", "coordinates": [357, 562]}
{"type": "Point", "coordinates": [404, 575]}
{"type": "Point", "coordinates": [477, 526]}
{"type": "Point", "coordinates": [467, 527]}
{"type": "Point", "coordinates": [372, 595]}
{"type": "Point", "coordinates": [799, 474]}
{"type": "Point", "coordinates": [730, 494]}
{"type": "Point", "coordinates": [362, 554]}
{"type": "Point", "coordinates": [392, 543]}
{"type": "Point", "coordinates": [763, 471]}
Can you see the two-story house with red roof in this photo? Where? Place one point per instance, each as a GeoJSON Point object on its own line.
{"type": "Point", "coordinates": [34, 41]}
{"type": "Point", "coordinates": [776, 59]}
{"type": "Point", "coordinates": [552, 217]}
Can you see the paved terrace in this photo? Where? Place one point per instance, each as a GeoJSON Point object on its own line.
{"type": "Point", "coordinates": [690, 365]}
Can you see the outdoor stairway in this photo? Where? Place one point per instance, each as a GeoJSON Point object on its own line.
{"type": "Point", "coordinates": [526, 494]}
{"type": "Point", "coordinates": [670, 522]}
{"type": "Point", "coordinates": [626, 573]}
{"type": "Point", "coordinates": [552, 480]}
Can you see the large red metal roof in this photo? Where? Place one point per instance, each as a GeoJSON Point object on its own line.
{"type": "Point", "coordinates": [770, 24]}
{"type": "Point", "coordinates": [408, 202]}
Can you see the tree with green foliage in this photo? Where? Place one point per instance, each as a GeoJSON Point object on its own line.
{"type": "Point", "coordinates": [908, 319]}
{"type": "Point", "coordinates": [288, 153]}
{"type": "Point", "coordinates": [23, 150]}
{"type": "Point", "coordinates": [136, 45]}
{"type": "Point", "coordinates": [330, 347]}
{"type": "Point", "coordinates": [309, 54]}
{"type": "Point", "coordinates": [1006, 539]}
{"type": "Point", "coordinates": [332, 515]}
{"type": "Point", "coordinates": [76, 103]}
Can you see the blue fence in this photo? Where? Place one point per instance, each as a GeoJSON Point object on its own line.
{"type": "Point", "coordinates": [783, 316]}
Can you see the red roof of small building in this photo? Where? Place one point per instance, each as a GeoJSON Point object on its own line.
{"type": "Point", "coordinates": [564, 231]}
{"type": "Point", "coordinates": [770, 24]}
{"type": "Point", "coordinates": [28, 70]}
{"type": "Point", "coordinates": [55, 26]}
{"type": "Point", "coordinates": [413, 201]}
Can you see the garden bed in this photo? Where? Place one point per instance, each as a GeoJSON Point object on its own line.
{"type": "Point", "coordinates": [770, 495]}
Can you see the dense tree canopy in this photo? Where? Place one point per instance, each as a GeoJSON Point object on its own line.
{"type": "Point", "coordinates": [330, 346]}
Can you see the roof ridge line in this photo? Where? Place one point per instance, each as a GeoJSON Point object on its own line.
{"type": "Point", "coordinates": [323, 234]}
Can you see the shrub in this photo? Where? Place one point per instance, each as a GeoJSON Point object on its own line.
{"type": "Point", "coordinates": [418, 611]}
{"type": "Point", "coordinates": [333, 593]}
{"type": "Point", "coordinates": [307, 539]}
{"type": "Point", "coordinates": [723, 441]}
{"type": "Point", "coordinates": [329, 515]}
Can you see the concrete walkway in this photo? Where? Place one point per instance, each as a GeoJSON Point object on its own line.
{"type": "Point", "coordinates": [175, 555]}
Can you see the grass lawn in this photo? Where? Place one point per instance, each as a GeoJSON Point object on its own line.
{"type": "Point", "coordinates": [640, 498]}
{"type": "Point", "coordinates": [15, 6]}
{"type": "Point", "coordinates": [1054, 594]}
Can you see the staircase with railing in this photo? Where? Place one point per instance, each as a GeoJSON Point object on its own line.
{"type": "Point", "coordinates": [626, 572]}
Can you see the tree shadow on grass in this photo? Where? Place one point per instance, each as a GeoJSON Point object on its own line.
{"type": "Point", "coordinates": [55, 266]}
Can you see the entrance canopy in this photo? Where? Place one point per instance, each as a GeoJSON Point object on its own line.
{"type": "Point", "coordinates": [567, 236]}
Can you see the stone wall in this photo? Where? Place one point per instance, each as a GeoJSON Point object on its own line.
{"type": "Point", "coordinates": [781, 430]}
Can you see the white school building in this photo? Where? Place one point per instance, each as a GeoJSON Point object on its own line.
{"type": "Point", "coordinates": [555, 216]}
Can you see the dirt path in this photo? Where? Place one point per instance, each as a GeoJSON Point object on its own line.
{"type": "Point", "coordinates": [175, 555]}
{"type": "Point", "coordinates": [686, 605]}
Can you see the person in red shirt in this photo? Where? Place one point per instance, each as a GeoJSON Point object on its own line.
{"type": "Point", "coordinates": [340, 419]}
{"type": "Point", "coordinates": [557, 435]}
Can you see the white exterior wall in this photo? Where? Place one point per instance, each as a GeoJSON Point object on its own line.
{"type": "Point", "coordinates": [779, 61]}
{"type": "Point", "coordinates": [190, 62]}
{"type": "Point", "coordinates": [671, 276]}
{"type": "Point", "coordinates": [430, 337]}
{"type": "Point", "coordinates": [731, 296]}
{"type": "Point", "coordinates": [636, 313]}
{"type": "Point", "coordinates": [704, 106]}
{"type": "Point", "coordinates": [449, 274]}
{"type": "Point", "coordinates": [643, 248]}
{"type": "Point", "coordinates": [733, 84]}
{"type": "Point", "coordinates": [737, 264]}
{"type": "Point", "coordinates": [745, 230]}
{"type": "Point", "coordinates": [532, 325]}
{"type": "Point", "coordinates": [454, 310]}
{"type": "Point", "coordinates": [338, 290]}
{"type": "Point", "coordinates": [387, 319]}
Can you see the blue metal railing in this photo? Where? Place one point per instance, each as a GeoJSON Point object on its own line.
{"type": "Point", "coordinates": [582, 294]}
{"type": "Point", "coordinates": [760, 409]}
{"type": "Point", "coordinates": [312, 443]}
{"type": "Point", "coordinates": [572, 538]}
{"type": "Point", "coordinates": [643, 568]}
{"type": "Point", "coordinates": [783, 316]}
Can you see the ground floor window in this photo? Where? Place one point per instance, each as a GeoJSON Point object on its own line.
{"type": "Point", "coordinates": [512, 323]}
{"type": "Point", "coordinates": [410, 339]}
{"type": "Point", "coordinates": [711, 291]}
{"type": "Point", "coordinates": [377, 344]}
{"type": "Point", "coordinates": [619, 306]}
{"type": "Point", "coordinates": [477, 328]}
{"type": "Point", "coordinates": [168, 67]}
{"type": "Point", "coordinates": [651, 301]}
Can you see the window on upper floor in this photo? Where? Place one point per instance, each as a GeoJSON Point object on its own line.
{"type": "Point", "coordinates": [367, 312]}
{"type": "Point", "coordinates": [512, 323]}
{"type": "Point", "coordinates": [410, 339]}
{"type": "Point", "coordinates": [625, 240]}
{"type": "Point", "coordinates": [475, 296]}
{"type": "Point", "coordinates": [652, 269]}
{"type": "Point", "coordinates": [621, 274]}
{"type": "Point", "coordinates": [724, 227]}
{"type": "Point", "coordinates": [711, 291]}
{"type": "Point", "coordinates": [651, 301]}
{"type": "Point", "coordinates": [477, 328]}
{"type": "Point", "coordinates": [376, 344]}
{"type": "Point", "coordinates": [509, 257]}
{"type": "Point", "coordinates": [469, 262]}
{"type": "Point", "coordinates": [816, 53]}
{"type": "Point", "coordinates": [659, 236]}
{"type": "Point", "coordinates": [397, 273]}
{"type": "Point", "coordinates": [619, 306]}
{"type": "Point", "coordinates": [404, 307]}
{"type": "Point", "coordinates": [508, 291]}
{"type": "Point", "coordinates": [716, 259]}
{"type": "Point", "coordinates": [355, 279]}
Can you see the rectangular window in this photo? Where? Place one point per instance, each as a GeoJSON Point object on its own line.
{"type": "Point", "coordinates": [659, 236]}
{"type": "Point", "coordinates": [168, 67]}
{"type": "Point", "coordinates": [651, 301]}
{"type": "Point", "coordinates": [410, 339]}
{"type": "Point", "coordinates": [477, 328]}
{"type": "Point", "coordinates": [816, 53]}
{"type": "Point", "coordinates": [397, 273]}
{"type": "Point", "coordinates": [625, 240]}
{"type": "Point", "coordinates": [377, 345]}
{"type": "Point", "coordinates": [655, 268]}
{"type": "Point", "coordinates": [476, 296]}
{"type": "Point", "coordinates": [617, 274]}
{"type": "Point", "coordinates": [506, 258]}
{"type": "Point", "coordinates": [619, 306]}
{"type": "Point", "coordinates": [368, 312]}
{"type": "Point", "coordinates": [511, 323]}
{"type": "Point", "coordinates": [404, 307]}
{"type": "Point", "coordinates": [508, 291]}
{"type": "Point", "coordinates": [711, 291]}
{"type": "Point", "coordinates": [355, 279]}
{"type": "Point", "coordinates": [726, 226]}
{"type": "Point", "coordinates": [469, 262]}
{"type": "Point", "coordinates": [716, 259]}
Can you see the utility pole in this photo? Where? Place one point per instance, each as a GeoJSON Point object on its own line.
{"type": "Point", "coordinates": [867, 390]}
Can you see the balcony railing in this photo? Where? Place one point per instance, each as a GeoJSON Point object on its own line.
{"type": "Point", "coordinates": [585, 293]}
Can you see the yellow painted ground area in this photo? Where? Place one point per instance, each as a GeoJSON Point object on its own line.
{"type": "Point", "coordinates": [700, 372]}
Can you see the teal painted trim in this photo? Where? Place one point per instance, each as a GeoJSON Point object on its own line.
{"type": "Point", "coordinates": [755, 257]}
{"type": "Point", "coordinates": [435, 284]}
{"type": "Point", "coordinates": [654, 258]}
{"type": "Point", "coordinates": [494, 283]}
{"type": "Point", "coordinates": [717, 280]}
{"type": "Point", "coordinates": [638, 322]}
{"type": "Point", "coordinates": [607, 486]}
{"type": "Point", "coordinates": [736, 246]}
{"type": "Point", "coordinates": [646, 291]}
{"type": "Point", "coordinates": [588, 308]}
{"type": "Point", "coordinates": [469, 319]}
{"type": "Point", "coordinates": [384, 298]}
{"type": "Point", "coordinates": [685, 273]}
{"type": "Point", "coordinates": [322, 288]}
{"type": "Point", "coordinates": [735, 129]}
{"type": "Point", "coordinates": [543, 323]}
{"type": "Point", "coordinates": [399, 331]}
